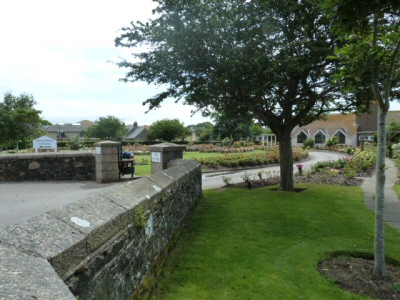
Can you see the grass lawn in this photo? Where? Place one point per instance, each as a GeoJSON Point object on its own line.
{"type": "Point", "coordinates": [265, 244]}
{"type": "Point", "coordinates": [146, 169]}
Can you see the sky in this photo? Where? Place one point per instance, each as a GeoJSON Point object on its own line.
{"type": "Point", "coordinates": [60, 53]}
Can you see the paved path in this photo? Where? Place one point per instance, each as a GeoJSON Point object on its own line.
{"type": "Point", "coordinates": [23, 200]}
{"type": "Point", "coordinates": [20, 201]}
{"type": "Point", "coordinates": [214, 179]}
{"type": "Point", "coordinates": [392, 202]}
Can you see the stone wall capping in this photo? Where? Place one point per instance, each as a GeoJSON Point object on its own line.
{"type": "Point", "coordinates": [169, 146]}
{"type": "Point", "coordinates": [47, 237]}
{"type": "Point", "coordinates": [96, 217]}
{"type": "Point", "coordinates": [189, 165]}
{"type": "Point", "coordinates": [24, 276]}
{"type": "Point", "coordinates": [140, 191]}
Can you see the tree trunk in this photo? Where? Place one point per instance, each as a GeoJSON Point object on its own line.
{"type": "Point", "coordinates": [379, 262]}
{"type": "Point", "coordinates": [286, 161]}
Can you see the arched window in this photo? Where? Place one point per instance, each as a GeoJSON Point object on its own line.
{"type": "Point", "coordinates": [301, 137]}
{"type": "Point", "coordinates": [319, 138]}
{"type": "Point", "coordinates": [341, 136]}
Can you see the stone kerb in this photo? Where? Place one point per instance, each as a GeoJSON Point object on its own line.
{"type": "Point", "coordinates": [94, 246]}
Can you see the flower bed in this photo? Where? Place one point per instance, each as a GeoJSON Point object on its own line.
{"type": "Point", "coordinates": [137, 149]}
{"type": "Point", "coordinates": [218, 149]}
{"type": "Point", "coordinates": [271, 156]}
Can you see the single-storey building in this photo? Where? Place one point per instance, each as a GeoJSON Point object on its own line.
{"type": "Point", "coordinates": [349, 128]}
{"type": "Point", "coordinates": [68, 130]}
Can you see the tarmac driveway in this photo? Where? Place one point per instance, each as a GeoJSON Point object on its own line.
{"type": "Point", "coordinates": [20, 201]}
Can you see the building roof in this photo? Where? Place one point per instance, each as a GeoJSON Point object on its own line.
{"type": "Point", "coordinates": [393, 115]}
{"type": "Point", "coordinates": [135, 132]}
{"type": "Point", "coordinates": [333, 123]}
{"type": "Point", "coordinates": [69, 127]}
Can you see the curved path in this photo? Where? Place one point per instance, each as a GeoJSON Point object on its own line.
{"type": "Point", "coordinates": [20, 201]}
{"type": "Point", "coordinates": [214, 179]}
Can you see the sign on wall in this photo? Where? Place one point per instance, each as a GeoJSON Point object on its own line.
{"type": "Point", "coordinates": [44, 142]}
{"type": "Point", "coordinates": [156, 157]}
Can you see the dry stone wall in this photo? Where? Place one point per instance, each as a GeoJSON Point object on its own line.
{"type": "Point", "coordinates": [94, 248]}
{"type": "Point", "coordinates": [48, 166]}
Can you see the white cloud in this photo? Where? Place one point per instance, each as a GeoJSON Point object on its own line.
{"type": "Point", "coordinates": [58, 51]}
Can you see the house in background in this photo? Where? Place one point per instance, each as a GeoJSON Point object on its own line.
{"type": "Point", "coordinates": [68, 130]}
{"type": "Point", "coordinates": [350, 129]}
{"type": "Point", "coordinates": [137, 133]}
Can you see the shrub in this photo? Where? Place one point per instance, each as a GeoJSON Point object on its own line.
{"type": "Point", "coordinates": [308, 143]}
{"type": "Point", "coordinates": [332, 141]}
{"type": "Point", "coordinates": [226, 142]}
{"type": "Point", "coordinates": [227, 180]}
{"type": "Point", "coordinates": [75, 143]}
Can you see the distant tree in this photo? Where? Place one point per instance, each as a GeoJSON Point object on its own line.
{"type": "Point", "coordinates": [256, 130]}
{"type": "Point", "coordinates": [107, 128]}
{"type": "Point", "coordinates": [207, 134]}
{"type": "Point", "coordinates": [203, 131]}
{"type": "Point", "coordinates": [167, 130]}
{"type": "Point", "coordinates": [227, 126]}
{"type": "Point", "coordinates": [20, 122]}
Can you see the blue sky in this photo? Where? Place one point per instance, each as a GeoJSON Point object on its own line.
{"type": "Point", "coordinates": [59, 51]}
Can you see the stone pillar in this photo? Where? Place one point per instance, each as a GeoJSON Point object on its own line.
{"type": "Point", "coordinates": [106, 161]}
{"type": "Point", "coordinates": [161, 154]}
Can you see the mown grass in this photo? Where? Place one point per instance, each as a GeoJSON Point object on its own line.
{"type": "Point", "coordinates": [265, 244]}
{"type": "Point", "coordinates": [145, 170]}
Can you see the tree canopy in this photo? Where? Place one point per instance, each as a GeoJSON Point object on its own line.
{"type": "Point", "coordinates": [263, 60]}
{"type": "Point", "coordinates": [167, 130]}
{"type": "Point", "coordinates": [107, 128]}
{"type": "Point", "coordinates": [20, 122]}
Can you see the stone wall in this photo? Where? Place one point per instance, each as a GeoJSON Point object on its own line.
{"type": "Point", "coordinates": [48, 166]}
{"type": "Point", "coordinates": [95, 246]}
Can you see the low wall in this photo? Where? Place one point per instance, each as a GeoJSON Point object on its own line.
{"type": "Point", "coordinates": [48, 166]}
{"type": "Point", "coordinates": [93, 248]}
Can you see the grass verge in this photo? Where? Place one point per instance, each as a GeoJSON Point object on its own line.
{"type": "Point", "coordinates": [265, 244]}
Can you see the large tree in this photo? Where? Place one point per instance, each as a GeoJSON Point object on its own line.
{"type": "Point", "coordinates": [20, 122]}
{"type": "Point", "coordinates": [107, 128]}
{"type": "Point", "coordinates": [263, 60]}
{"type": "Point", "coordinates": [167, 130]}
{"type": "Point", "coordinates": [370, 71]}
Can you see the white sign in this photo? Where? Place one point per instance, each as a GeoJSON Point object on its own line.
{"type": "Point", "coordinates": [98, 150]}
{"type": "Point", "coordinates": [44, 142]}
{"type": "Point", "coordinates": [156, 157]}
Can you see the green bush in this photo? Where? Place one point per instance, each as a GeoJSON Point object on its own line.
{"type": "Point", "coordinates": [308, 143]}
{"type": "Point", "coordinates": [75, 143]}
{"type": "Point", "coordinates": [332, 141]}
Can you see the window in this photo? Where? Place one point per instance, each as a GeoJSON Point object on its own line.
{"type": "Point", "coordinates": [319, 138]}
{"type": "Point", "coordinates": [342, 137]}
{"type": "Point", "coordinates": [301, 137]}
